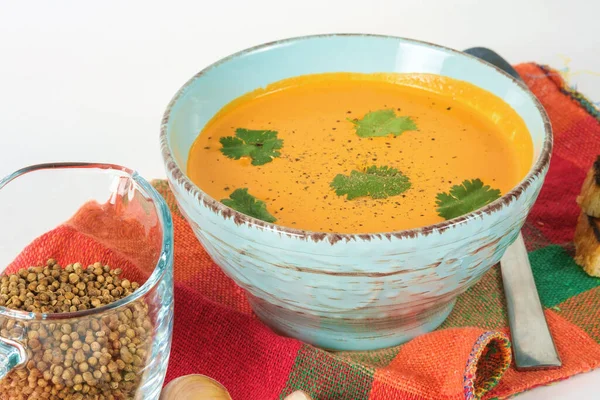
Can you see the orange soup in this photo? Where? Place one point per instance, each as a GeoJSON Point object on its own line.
{"type": "Point", "coordinates": [357, 153]}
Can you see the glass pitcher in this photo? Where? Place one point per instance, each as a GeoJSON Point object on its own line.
{"type": "Point", "coordinates": [98, 218]}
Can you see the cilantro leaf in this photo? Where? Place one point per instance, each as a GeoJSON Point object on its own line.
{"type": "Point", "coordinates": [464, 198]}
{"type": "Point", "coordinates": [260, 145]}
{"type": "Point", "coordinates": [377, 182]}
{"type": "Point", "coordinates": [382, 123]}
{"type": "Point", "coordinates": [242, 201]}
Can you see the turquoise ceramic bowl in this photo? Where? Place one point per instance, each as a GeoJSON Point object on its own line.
{"type": "Point", "coordinates": [344, 291]}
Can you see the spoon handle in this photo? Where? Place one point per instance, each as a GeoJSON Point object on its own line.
{"type": "Point", "coordinates": [533, 346]}
{"type": "Point", "coordinates": [493, 58]}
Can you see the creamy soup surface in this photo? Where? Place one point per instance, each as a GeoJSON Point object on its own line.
{"type": "Point", "coordinates": [456, 132]}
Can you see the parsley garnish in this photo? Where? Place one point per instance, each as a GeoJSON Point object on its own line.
{"type": "Point", "coordinates": [377, 182]}
{"type": "Point", "coordinates": [382, 123]}
{"type": "Point", "coordinates": [260, 145]}
{"type": "Point", "coordinates": [242, 201]}
{"type": "Point", "coordinates": [464, 198]}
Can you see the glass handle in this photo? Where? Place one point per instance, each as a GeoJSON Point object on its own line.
{"type": "Point", "coordinates": [11, 355]}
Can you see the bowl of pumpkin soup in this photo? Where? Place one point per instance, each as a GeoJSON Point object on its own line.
{"type": "Point", "coordinates": [354, 185]}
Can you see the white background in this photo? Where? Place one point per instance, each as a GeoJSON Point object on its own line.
{"type": "Point", "coordinates": [83, 80]}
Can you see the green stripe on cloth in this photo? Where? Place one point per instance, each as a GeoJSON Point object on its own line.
{"type": "Point", "coordinates": [583, 310]}
{"type": "Point", "coordinates": [372, 359]}
{"type": "Point", "coordinates": [482, 305]}
{"type": "Point", "coordinates": [535, 238]}
{"type": "Point", "coordinates": [324, 375]}
{"type": "Point", "coordinates": [557, 277]}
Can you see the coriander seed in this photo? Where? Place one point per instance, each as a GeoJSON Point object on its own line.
{"type": "Point", "coordinates": [97, 356]}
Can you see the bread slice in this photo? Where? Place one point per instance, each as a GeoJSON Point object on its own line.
{"type": "Point", "coordinates": [589, 199]}
{"type": "Point", "coordinates": [587, 244]}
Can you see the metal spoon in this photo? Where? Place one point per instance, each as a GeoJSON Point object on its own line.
{"type": "Point", "coordinates": [533, 346]}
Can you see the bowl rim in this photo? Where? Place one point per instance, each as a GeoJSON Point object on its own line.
{"type": "Point", "coordinates": [216, 206]}
{"type": "Point", "coordinates": [163, 261]}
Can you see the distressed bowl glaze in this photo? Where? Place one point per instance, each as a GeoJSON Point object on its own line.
{"type": "Point", "coordinates": [344, 291]}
